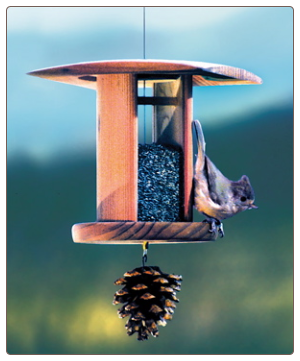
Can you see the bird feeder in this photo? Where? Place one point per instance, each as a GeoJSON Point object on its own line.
{"type": "Point", "coordinates": [116, 84]}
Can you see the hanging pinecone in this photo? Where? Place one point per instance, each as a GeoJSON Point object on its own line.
{"type": "Point", "coordinates": [149, 299]}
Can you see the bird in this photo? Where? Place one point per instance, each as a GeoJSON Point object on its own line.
{"type": "Point", "coordinates": [215, 196]}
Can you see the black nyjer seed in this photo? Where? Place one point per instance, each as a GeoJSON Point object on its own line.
{"type": "Point", "coordinates": [159, 183]}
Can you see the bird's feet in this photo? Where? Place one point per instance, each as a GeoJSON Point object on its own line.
{"type": "Point", "coordinates": [215, 226]}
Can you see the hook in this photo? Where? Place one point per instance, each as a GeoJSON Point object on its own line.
{"type": "Point", "coordinates": [145, 249]}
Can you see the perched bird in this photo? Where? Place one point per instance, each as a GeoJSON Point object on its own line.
{"type": "Point", "coordinates": [216, 196]}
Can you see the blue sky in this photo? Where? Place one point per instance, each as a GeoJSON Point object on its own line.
{"type": "Point", "coordinates": [45, 118]}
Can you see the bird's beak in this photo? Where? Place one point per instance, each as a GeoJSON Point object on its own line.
{"type": "Point", "coordinates": [252, 206]}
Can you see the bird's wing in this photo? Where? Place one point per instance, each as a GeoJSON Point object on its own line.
{"type": "Point", "coordinates": [219, 186]}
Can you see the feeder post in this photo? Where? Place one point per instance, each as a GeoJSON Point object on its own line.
{"type": "Point", "coordinates": [117, 147]}
{"type": "Point", "coordinates": [188, 169]}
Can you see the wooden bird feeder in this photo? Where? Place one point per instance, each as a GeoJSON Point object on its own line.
{"type": "Point", "coordinates": [116, 84]}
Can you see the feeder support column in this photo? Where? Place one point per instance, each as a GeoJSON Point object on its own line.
{"type": "Point", "coordinates": [117, 147]}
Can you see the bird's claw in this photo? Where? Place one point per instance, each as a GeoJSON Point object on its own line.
{"type": "Point", "coordinates": [221, 230]}
{"type": "Point", "coordinates": [215, 226]}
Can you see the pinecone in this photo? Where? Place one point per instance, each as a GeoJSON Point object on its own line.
{"type": "Point", "coordinates": [149, 299]}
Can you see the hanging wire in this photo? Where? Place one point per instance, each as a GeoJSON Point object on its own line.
{"type": "Point", "coordinates": [144, 32]}
{"type": "Point", "coordinates": [144, 55]}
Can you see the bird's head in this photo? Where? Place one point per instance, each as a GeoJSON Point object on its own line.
{"type": "Point", "coordinates": [243, 194]}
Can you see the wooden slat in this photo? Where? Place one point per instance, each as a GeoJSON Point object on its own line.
{"type": "Point", "coordinates": [117, 145]}
{"type": "Point", "coordinates": [157, 101]}
{"type": "Point", "coordinates": [138, 232]}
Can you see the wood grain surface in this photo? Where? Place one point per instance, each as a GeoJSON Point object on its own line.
{"type": "Point", "coordinates": [117, 147]}
{"type": "Point", "coordinates": [204, 74]}
{"type": "Point", "coordinates": [137, 232]}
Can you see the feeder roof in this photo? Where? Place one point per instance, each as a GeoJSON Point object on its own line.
{"type": "Point", "coordinates": [204, 74]}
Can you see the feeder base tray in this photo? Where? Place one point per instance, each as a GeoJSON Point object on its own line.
{"type": "Point", "coordinates": [118, 232]}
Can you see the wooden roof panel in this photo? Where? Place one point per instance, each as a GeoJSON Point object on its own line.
{"type": "Point", "coordinates": [204, 74]}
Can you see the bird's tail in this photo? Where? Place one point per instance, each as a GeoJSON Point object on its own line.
{"type": "Point", "coordinates": [201, 145]}
{"type": "Point", "coordinates": [199, 134]}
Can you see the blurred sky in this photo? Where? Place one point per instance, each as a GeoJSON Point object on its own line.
{"type": "Point", "coordinates": [45, 118]}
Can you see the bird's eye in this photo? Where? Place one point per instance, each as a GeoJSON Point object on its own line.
{"type": "Point", "coordinates": [243, 199]}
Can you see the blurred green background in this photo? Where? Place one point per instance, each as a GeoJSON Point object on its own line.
{"type": "Point", "coordinates": [237, 292]}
